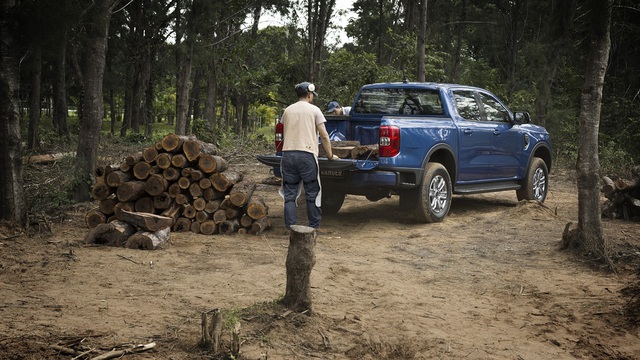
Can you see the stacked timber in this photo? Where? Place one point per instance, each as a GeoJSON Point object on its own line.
{"type": "Point", "coordinates": [623, 197]}
{"type": "Point", "coordinates": [351, 150]}
{"type": "Point", "coordinates": [185, 180]}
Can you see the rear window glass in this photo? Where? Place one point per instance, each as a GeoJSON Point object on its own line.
{"type": "Point", "coordinates": [399, 102]}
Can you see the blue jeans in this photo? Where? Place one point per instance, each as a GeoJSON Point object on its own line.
{"type": "Point", "coordinates": [299, 166]}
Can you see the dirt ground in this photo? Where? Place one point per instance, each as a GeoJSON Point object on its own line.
{"type": "Point", "coordinates": [488, 283]}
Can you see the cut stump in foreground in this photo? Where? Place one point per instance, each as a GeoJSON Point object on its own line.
{"type": "Point", "coordinates": [211, 329]}
{"type": "Point", "coordinates": [301, 258]}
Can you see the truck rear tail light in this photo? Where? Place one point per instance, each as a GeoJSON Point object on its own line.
{"type": "Point", "coordinates": [279, 137]}
{"type": "Point", "coordinates": [389, 143]}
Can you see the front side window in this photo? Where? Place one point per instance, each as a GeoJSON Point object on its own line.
{"type": "Point", "coordinates": [398, 101]}
{"type": "Point", "coordinates": [467, 105]}
{"type": "Point", "coordinates": [493, 110]}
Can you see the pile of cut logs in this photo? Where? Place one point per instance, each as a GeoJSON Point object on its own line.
{"type": "Point", "coordinates": [183, 180]}
{"type": "Point", "coordinates": [623, 197]}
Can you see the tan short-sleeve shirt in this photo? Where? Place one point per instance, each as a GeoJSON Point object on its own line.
{"type": "Point", "coordinates": [299, 122]}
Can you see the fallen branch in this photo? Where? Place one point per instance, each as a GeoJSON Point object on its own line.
{"type": "Point", "coordinates": [118, 353]}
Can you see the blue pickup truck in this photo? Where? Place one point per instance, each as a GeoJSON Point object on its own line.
{"type": "Point", "coordinates": [432, 140]}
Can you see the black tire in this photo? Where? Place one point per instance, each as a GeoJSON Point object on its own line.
{"type": "Point", "coordinates": [332, 201]}
{"type": "Point", "coordinates": [434, 195]}
{"type": "Point", "coordinates": [536, 184]}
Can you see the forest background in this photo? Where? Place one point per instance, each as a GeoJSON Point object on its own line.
{"type": "Point", "coordinates": [90, 73]}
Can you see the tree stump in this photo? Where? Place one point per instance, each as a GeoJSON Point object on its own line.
{"type": "Point", "coordinates": [211, 329]}
{"type": "Point", "coordinates": [301, 258]}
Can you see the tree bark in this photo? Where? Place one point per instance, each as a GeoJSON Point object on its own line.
{"type": "Point", "coordinates": [256, 208]}
{"type": "Point", "coordinates": [225, 180]}
{"type": "Point", "coordinates": [33, 139]}
{"type": "Point", "coordinates": [241, 192]}
{"type": "Point", "coordinates": [212, 163]}
{"type": "Point", "coordinates": [60, 107]}
{"type": "Point", "coordinates": [590, 237]}
{"type": "Point", "coordinates": [144, 221]}
{"type": "Point", "coordinates": [12, 201]}
{"type": "Point", "coordinates": [97, 28]}
{"type": "Point", "coordinates": [300, 261]}
{"type": "Point", "coordinates": [147, 240]}
{"type": "Point", "coordinates": [114, 233]}
{"type": "Point", "coordinates": [260, 225]}
{"type": "Point", "coordinates": [421, 40]}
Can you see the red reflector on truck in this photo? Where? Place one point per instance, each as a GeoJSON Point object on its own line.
{"type": "Point", "coordinates": [389, 142]}
{"type": "Point", "coordinates": [279, 136]}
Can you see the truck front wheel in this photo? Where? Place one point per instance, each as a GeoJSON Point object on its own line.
{"type": "Point", "coordinates": [332, 201]}
{"type": "Point", "coordinates": [536, 184]}
{"type": "Point", "coordinates": [435, 194]}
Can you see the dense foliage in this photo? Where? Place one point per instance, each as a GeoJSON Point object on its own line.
{"type": "Point", "coordinates": [213, 68]}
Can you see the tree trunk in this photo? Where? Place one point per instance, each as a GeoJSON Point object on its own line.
{"type": "Point", "coordinates": [212, 95]}
{"type": "Point", "coordinates": [12, 202]}
{"type": "Point", "coordinates": [422, 37]}
{"type": "Point", "coordinates": [97, 28]}
{"type": "Point", "coordinates": [590, 237]}
{"type": "Point", "coordinates": [184, 73]}
{"type": "Point", "coordinates": [301, 259]}
{"type": "Point", "coordinates": [33, 139]}
{"type": "Point", "coordinates": [60, 107]}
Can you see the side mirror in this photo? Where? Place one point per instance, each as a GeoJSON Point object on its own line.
{"type": "Point", "coordinates": [521, 117]}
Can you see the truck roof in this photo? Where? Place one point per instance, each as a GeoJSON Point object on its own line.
{"type": "Point", "coordinates": [418, 85]}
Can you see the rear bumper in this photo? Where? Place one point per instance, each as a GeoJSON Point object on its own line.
{"type": "Point", "coordinates": [351, 176]}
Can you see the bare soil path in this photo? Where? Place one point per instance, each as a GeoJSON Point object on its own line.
{"type": "Point", "coordinates": [487, 283]}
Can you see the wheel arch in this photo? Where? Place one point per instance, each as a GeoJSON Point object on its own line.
{"type": "Point", "coordinates": [443, 154]}
{"type": "Point", "coordinates": [542, 151]}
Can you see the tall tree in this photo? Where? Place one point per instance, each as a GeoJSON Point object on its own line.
{"type": "Point", "coordinates": [422, 37]}
{"type": "Point", "coordinates": [12, 203]}
{"type": "Point", "coordinates": [33, 138]}
{"type": "Point", "coordinates": [589, 236]}
{"type": "Point", "coordinates": [97, 30]}
{"type": "Point", "coordinates": [185, 64]}
{"type": "Point", "coordinates": [60, 107]}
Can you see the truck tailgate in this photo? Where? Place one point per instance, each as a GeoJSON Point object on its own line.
{"type": "Point", "coordinates": [333, 165]}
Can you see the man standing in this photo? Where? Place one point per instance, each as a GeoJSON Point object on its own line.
{"type": "Point", "coordinates": [302, 123]}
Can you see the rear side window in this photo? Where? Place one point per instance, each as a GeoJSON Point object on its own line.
{"type": "Point", "coordinates": [467, 105]}
{"type": "Point", "coordinates": [396, 101]}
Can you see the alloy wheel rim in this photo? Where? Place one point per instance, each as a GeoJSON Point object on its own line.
{"type": "Point", "coordinates": [438, 194]}
{"type": "Point", "coordinates": [539, 184]}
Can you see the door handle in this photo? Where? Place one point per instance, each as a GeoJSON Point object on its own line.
{"type": "Point", "coordinates": [467, 131]}
{"type": "Point", "coordinates": [496, 132]}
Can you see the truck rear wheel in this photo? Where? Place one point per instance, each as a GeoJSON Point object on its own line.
{"type": "Point", "coordinates": [332, 201]}
{"type": "Point", "coordinates": [536, 184]}
{"type": "Point", "coordinates": [434, 194]}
